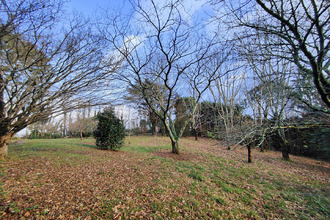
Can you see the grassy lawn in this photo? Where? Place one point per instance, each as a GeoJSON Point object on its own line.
{"type": "Point", "coordinates": [71, 179]}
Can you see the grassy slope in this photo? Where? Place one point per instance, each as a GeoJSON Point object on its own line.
{"type": "Point", "coordinates": [69, 178]}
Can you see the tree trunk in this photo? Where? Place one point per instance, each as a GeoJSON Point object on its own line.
{"type": "Point", "coordinates": [155, 131]}
{"type": "Point", "coordinates": [285, 150]}
{"type": "Point", "coordinates": [3, 151]}
{"type": "Point", "coordinates": [4, 140]}
{"type": "Point", "coordinates": [175, 147]}
{"type": "Point", "coordinates": [196, 134]}
{"type": "Point", "coordinates": [249, 153]}
{"type": "Point", "coordinates": [64, 125]}
{"type": "Point", "coordinates": [262, 146]}
{"type": "Point", "coordinates": [163, 131]}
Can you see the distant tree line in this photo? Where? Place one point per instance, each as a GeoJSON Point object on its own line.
{"type": "Point", "coordinates": [77, 124]}
{"type": "Point", "coordinates": [254, 73]}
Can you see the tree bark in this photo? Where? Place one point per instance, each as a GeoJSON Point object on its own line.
{"type": "Point", "coordinates": [163, 131]}
{"type": "Point", "coordinates": [155, 131]}
{"type": "Point", "coordinates": [262, 146]}
{"type": "Point", "coordinates": [196, 134]}
{"type": "Point", "coordinates": [285, 150]}
{"type": "Point", "coordinates": [3, 151]}
{"type": "Point", "coordinates": [249, 153]}
{"type": "Point", "coordinates": [64, 125]}
{"type": "Point", "coordinates": [4, 140]}
{"type": "Point", "coordinates": [175, 147]}
{"type": "Point", "coordinates": [3, 144]}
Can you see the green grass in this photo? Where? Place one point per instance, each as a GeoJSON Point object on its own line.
{"type": "Point", "coordinates": [60, 149]}
{"type": "Point", "coordinates": [142, 180]}
{"type": "Point", "coordinates": [144, 149]}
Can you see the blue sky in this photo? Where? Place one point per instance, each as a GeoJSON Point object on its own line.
{"type": "Point", "coordinates": [89, 7]}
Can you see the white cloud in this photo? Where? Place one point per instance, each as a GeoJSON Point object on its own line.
{"type": "Point", "coordinates": [131, 42]}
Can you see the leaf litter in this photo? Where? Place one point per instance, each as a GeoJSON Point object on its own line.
{"type": "Point", "coordinates": [204, 181]}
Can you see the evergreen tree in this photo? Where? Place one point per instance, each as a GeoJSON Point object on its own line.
{"type": "Point", "coordinates": [110, 131]}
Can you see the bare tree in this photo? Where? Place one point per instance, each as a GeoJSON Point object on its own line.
{"type": "Point", "coordinates": [272, 97]}
{"type": "Point", "coordinates": [297, 30]}
{"type": "Point", "coordinates": [228, 95]}
{"type": "Point", "coordinates": [159, 44]}
{"type": "Point", "coordinates": [46, 129]}
{"type": "Point", "coordinates": [196, 122]}
{"type": "Point", "coordinates": [269, 95]}
{"type": "Point", "coordinates": [44, 69]}
{"type": "Point", "coordinates": [135, 96]}
{"type": "Point", "coordinates": [82, 126]}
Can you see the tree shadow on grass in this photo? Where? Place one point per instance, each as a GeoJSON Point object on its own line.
{"type": "Point", "coordinates": [89, 146]}
{"type": "Point", "coordinates": [93, 146]}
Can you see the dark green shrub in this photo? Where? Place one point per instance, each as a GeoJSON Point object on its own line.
{"type": "Point", "coordinates": [110, 132]}
{"type": "Point", "coordinates": [311, 142]}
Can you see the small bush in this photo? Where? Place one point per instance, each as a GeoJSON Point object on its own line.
{"type": "Point", "coordinates": [211, 135]}
{"type": "Point", "coordinates": [110, 132]}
